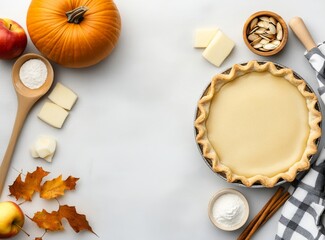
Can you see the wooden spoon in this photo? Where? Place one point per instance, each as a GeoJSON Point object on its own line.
{"type": "Point", "coordinates": [26, 99]}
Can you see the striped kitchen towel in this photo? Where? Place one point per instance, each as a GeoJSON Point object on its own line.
{"type": "Point", "coordinates": [301, 216]}
{"type": "Point", "coordinates": [316, 58]}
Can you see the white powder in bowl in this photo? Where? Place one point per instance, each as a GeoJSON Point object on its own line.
{"type": "Point", "coordinates": [33, 73]}
{"type": "Point", "coordinates": [228, 210]}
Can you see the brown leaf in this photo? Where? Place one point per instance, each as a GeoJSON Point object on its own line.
{"type": "Point", "coordinates": [48, 221]}
{"type": "Point", "coordinates": [52, 221]}
{"type": "Point", "coordinates": [56, 187]}
{"type": "Point", "coordinates": [77, 221]}
{"type": "Point", "coordinates": [25, 190]}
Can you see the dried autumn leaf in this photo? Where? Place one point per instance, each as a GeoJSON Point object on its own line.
{"type": "Point", "coordinates": [26, 189]}
{"type": "Point", "coordinates": [56, 187]}
{"type": "Point", "coordinates": [77, 221]}
{"type": "Point", "coordinates": [48, 221]}
{"type": "Point", "coordinates": [52, 221]}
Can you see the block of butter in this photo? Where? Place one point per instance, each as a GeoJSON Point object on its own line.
{"type": "Point", "coordinates": [53, 114]}
{"type": "Point", "coordinates": [63, 96]}
{"type": "Point", "coordinates": [203, 36]}
{"type": "Point", "coordinates": [218, 49]}
{"type": "Point", "coordinates": [44, 147]}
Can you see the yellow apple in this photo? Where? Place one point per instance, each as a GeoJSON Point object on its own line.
{"type": "Point", "coordinates": [11, 219]}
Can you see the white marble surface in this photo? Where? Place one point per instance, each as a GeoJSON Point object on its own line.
{"type": "Point", "coordinates": [130, 136]}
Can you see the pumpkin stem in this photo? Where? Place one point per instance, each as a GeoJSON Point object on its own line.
{"type": "Point", "coordinates": [76, 15]}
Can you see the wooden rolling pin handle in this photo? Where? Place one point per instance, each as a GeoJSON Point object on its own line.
{"type": "Point", "coordinates": [299, 28]}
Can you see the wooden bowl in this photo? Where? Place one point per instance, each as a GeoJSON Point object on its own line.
{"type": "Point", "coordinates": [247, 30]}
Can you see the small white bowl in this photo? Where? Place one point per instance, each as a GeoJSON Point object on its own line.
{"type": "Point", "coordinates": [214, 199]}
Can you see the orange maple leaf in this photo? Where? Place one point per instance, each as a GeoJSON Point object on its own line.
{"type": "Point", "coordinates": [48, 221]}
{"type": "Point", "coordinates": [52, 221]}
{"type": "Point", "coordinates": [77, 221]}
{"type": "Point", "coordinates": [56, 187]}
{"type": "Point", "coordinates": [32, 184]}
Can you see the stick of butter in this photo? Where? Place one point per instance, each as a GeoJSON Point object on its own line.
{"type": "Point", "coordinates": [203, 36]}
{"type": "Point", "coordinates": [63, 96]}
{"type": "Point", "coordinates": [218, 49]}
{"type": "Point", "coordinates": [53, 114]}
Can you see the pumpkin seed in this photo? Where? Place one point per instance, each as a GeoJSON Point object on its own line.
{"type": "Point", "coordinates": [279, 35]}
{"type": "Point", "coordinates": [276, 42]}
{"type": "Point", "coordinates": [263, 49]}
{"type": "Point", "coordinates": [272, 29]}
{"type": "Point", "coordinates": [278, 27]}
{"type": "Point", "coordinates": [253, 23]}
{"type": "Point", "coordinates": [265, 18]}
{"type": "Point", "coordinates": [272, 20]}
{"type": "Point", "coordinates": [264, 41]}
{"type": "Point", "coordinates": [253, 30]}
{"type": "Point", "coordinates": [259, 45]}
{"type": "Point", "coordinates": [252, 36]}
{"type": "Point", "coordinates": [260, 30]}
{"type": "Point", "coordinates": [256, 41]}
{"type": "Point", "coordinates": [263, 24]}
{"type": "Point", "coordinates": [269, 46]}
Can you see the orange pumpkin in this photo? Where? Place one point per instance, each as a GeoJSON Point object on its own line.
{"type": "Point", "coordinates": [74, 33]}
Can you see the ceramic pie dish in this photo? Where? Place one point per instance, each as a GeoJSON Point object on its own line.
{"type": "Point", "coordinates": [258, 124]}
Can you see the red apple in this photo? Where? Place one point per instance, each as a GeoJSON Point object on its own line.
{"type": "Point", "coordinates": [13, 39]}
{"type": "Point", "coordinates": [11, 219]}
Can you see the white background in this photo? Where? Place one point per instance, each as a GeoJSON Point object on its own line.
{"type": "Point", "coordinates": [130, 136]}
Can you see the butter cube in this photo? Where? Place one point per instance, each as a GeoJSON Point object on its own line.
{"type": "Point", "coordinates": [63, 96]}
{"type": "Point", "coordinates": [44, 147]}
{"type": "Point", "coordinates": [218, 49]}
{"type": "Point", "coordinates": [203, 37]}
{"type": "Point", "coordinates": [53, 114]}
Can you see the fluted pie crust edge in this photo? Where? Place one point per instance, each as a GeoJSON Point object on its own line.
{"type": "Point", "coordinates": [210, 154]}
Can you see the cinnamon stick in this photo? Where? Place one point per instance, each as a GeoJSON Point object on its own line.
{"type": "Point", "coordinates": [261, 219]}
{"type": "Point", "coordinates": [276, 206]}
{"type": "Point", "coordinates": [265, 217]}
{"type": "Point", "coordinates": [250, 226]}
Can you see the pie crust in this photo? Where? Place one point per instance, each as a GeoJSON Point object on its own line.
{"type": "Point", "coordinates": [258, 124]}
